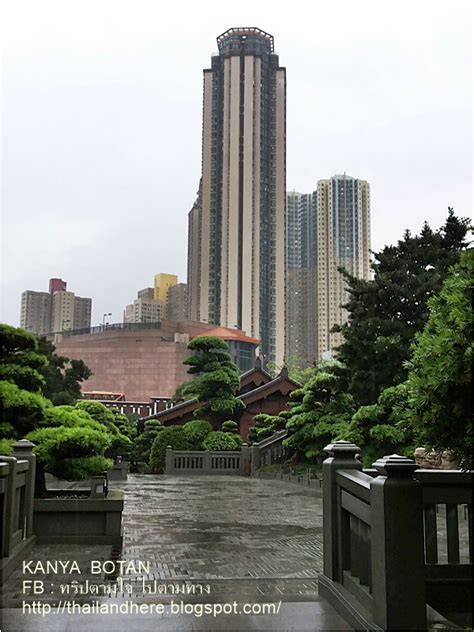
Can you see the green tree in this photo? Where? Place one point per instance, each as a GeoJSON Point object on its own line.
{"type": "Point", "coordinates": [385, 313]}
{"type": "Point", "coordinates": [196, 432]}
{"type": "Point", "coordinates": [385, 427]}
{"type": "Point", "coordinates": [141, 449]}
{"type": "Point", "coordinates": [21, 362]}
{"type": "Point", "coordinates": [299, 368]}
{"type": "Point", "coordinates": [440, 368]}
{"type": "Point", "coordinates": [218, 440]}
{"type": "Point", "coordinates": [319, 412]}
{"type": "Point", "coordinates": [121, 444]}
{"type": "Point", "coordinates": [265, 425]}
{"type": "Point", "coordinates": [62, 376]}
{"type": "Point", "coordinates": [216, 380]}
{"type": "Point", "coordinates": [170, 436]}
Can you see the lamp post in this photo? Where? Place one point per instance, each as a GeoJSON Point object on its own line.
{"type": "Point", "coordinates": [104, 317]}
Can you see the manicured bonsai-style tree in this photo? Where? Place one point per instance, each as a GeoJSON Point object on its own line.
{"type": "Point", "coordinates": [170, 436]}
{"type": "Point", "coordinates": [69, 442]}
{"type": "Point", "coordinates": [215, 382]}
{"type": "Point", "coordinates": [196, 432]}
{"type": "Point", "coordinates": [142, 445]}
{"type": "Point", "coordinates": [218, 440]}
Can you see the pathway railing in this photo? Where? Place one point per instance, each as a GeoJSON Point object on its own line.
{"type": "Point", "coordinates": [269, 450]}
{"type": "Point", "coordinates": [205, 462]}
{"type": "Point", "coordinates": [17, 485]}
{"type": "Point", "coordinates": [381, 537]}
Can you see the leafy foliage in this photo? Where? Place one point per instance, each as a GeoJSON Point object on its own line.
{"type": "Point", "coordinates": [299, 368]}
{"type": "Point", "coordinates": [385, 313]}
{"type": "Point", "coordinates": [216, 380]}
{"type": "Point", "coordinates": [20, 360]}
{"type": "Point", "coordinates": [141, 449]}
{"type": "Point", "coordinates": [170, 436]}
{"type": "Point", "coordinates": [319, 412]}
{"type": "Point", "coordinates": [440, 369]}
{"type": "Point", "coordinates": [230, 426]}
{"type": "Point", "coordinates": [62, 376]}
{"type": "Point", "coordinates": [196, 432]}
{"type": "Point", "coordinates": [218, 440]}
{"type": "Point", "coordinates": [265, 425]}
{"type": "Point", "coordinates": [385, 427]}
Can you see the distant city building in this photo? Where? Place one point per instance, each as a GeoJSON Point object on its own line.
{"type": "Point", "coordinates": [147, 292]}
{"type": "Point", "coordinates": [325, 230]}
{"type": "Point", "coordinates": [129, 313]}
{"type": "Point", "coordinates": [163, 282]}
{"type": "Point", "coordinates": [54, 311]}
{"type": "Point", "coordinates": [236, 227]}
{"type": "Point", "coordinates": [36, 312]}
{"type": "Point", "coordinates": [301, 277]}
{"type": "Point", "coordinates": [178, 302]}
{"type": "Point", "coordinates": [147, 310]}
{"type": "Point", "coordinates": [194, 259]}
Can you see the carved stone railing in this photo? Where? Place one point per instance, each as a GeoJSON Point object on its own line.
{"type": "Point", "coordinates": [17, 485]}
{"type": "Point", "coordinates": [381, 566]}
{"type": "Point", "coordinates": [269, 450]}
{"type": "Point", "coordinates": [205, 462]}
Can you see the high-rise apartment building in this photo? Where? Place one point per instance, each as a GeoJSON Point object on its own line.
{"type": "Point", "coordinates": [301, 261]}
{"type": "Point", "coordinates": [54, 311]}
{"type": "Point", "coordinates": [325, 230]}
{"type": "Point", "coordinates": [237, 228]}
{"type": "Point", "coordinates": [145, 308]}
{"type": "Point", "coordinates": [178, 302]}
{"type": "Point", "coordinates": [343, 207]}
{"type": "Point", "coordinates": [36, 312]}
{"type": "Point", "coordinates": [163, 282]}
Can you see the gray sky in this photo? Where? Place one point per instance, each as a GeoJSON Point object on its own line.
{"type": "Point", "coordinates": [101, 126]}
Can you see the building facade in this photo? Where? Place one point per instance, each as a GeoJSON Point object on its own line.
{"type": "Point", "coordinates": [343, 211]}
{"type": "Point", "coordinates": [236, 231]}
{"type": "Point", "coordinates": [163, 282]}
{"type": "Point", "coordinates": [35, 313]}
{"type": "Point", "coordinates": [178, 302]}
{"type": "Point", "coordinates": [301, 278]}
{"type": "Point", "coordinates": [54, 311]}
{"type": "Point", "coordinates": [325, 230]}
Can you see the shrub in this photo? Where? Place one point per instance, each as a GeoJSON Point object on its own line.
{"type": "Point", "coordinates": [83, 467]}
{"type": "Point", "coordinates": [171, 435]}
{"type": "Point", "coordinates": [230, 426]}
{"type": "Point", "coordinates": [218, 440]}
{"type": "Point", "coordinates": [142, 446]}
{"type": "Point", "coordinates": [196, 432]}
{"type": "Point", "coordinates": [6, 446]}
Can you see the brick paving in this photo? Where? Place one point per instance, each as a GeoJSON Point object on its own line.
{"type": "Point", "coordinates": [240, 539]}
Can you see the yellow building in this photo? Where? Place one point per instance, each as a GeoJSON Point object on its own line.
{"type": "Point", "coordinates": [163, 282]}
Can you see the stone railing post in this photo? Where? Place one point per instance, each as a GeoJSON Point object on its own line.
{"type": "Point", "coordinates": [396, 513]}
{"type": "Point", "coordinates": [245, 460]}
{"type": "Point", "coordinates": [342, 456]}
{"type": "Point", "coordinates": [23, 451]}
{"type": "Point", "coordinates": [9, 508]}
{"type": "Point", "coordinates": [255, 454]}
{"type": "Point", "coordinates": [206, 462]}
{"type": "Point", "coordinates": [169, 460]}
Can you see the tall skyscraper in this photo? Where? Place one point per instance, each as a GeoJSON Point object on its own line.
{"type": "Point", "coordinates": [178, 302]}
{"type": "Point", "coordinates": [325, 230]}
{"type": "Point", "coordinates": [343, 207]}
{"type": "Point", "coordinates": [301, 286]}
{"type": "Point", "coordinates": [236, 231]}
{"type": "Point", "coordinates": [35, 313]}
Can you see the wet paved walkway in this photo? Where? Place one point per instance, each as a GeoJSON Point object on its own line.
{"type": "Point", "coordinates": [242, 543]}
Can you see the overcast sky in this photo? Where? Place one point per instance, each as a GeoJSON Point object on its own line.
{"type": "Point", "coordinates": [101, 126]}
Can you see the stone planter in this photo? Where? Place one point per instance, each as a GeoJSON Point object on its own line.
{"type": "Point", "coordinates": [79, 520]}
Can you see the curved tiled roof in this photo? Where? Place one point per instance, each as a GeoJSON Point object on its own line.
{"type": "Point", "coordinates": [231, 334]}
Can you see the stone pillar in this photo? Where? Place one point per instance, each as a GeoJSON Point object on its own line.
{"type": "Point", "coordinates": [245, 460]}
{"type": "Point", "coordinates": [23, 451]}
{"type": "Point", "coordinates": [9, 524]}
{"type": "Point", "coordinates": [396, 513]}
{"type": "Point", "coordinates": [169, 460]}
{"type": "Point", "coordinates": [206, 462]}
{"type": "Point", "coordinates": [255, 456]}
{"type": "Point", "coordinates": [342, 456]}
